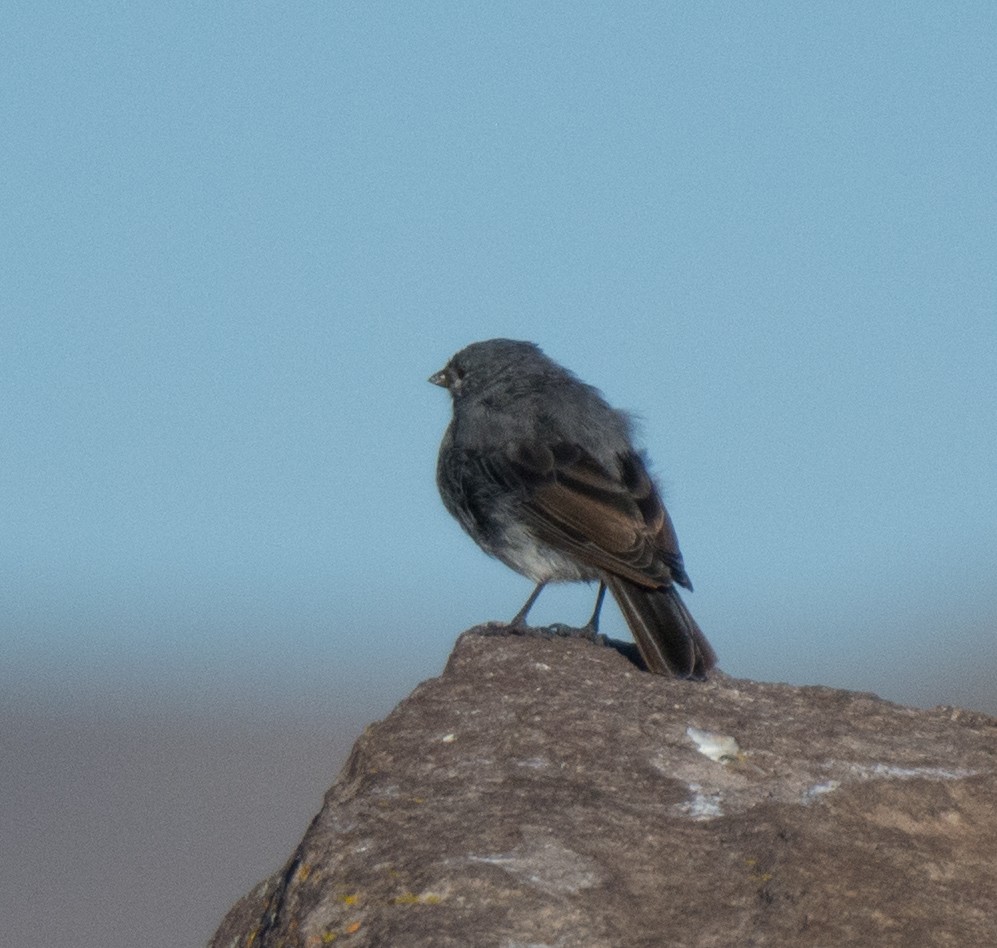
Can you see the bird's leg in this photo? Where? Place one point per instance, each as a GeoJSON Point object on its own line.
{"type": "Point", "coordinates": [592, 626]}
{"type": "Point", "coordinates": [519, 620]}
{"type": "Point", "coordinates": [588, 631]}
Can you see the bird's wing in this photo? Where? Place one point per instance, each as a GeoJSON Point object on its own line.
{"type": "Point", "coordinates": [611, 519]}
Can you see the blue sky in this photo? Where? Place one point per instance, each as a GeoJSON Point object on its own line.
{"type": "Point", "coordinates": [238, 238]}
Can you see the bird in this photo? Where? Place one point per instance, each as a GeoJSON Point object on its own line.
{"type": "Point", "coordinates": [543, 474]}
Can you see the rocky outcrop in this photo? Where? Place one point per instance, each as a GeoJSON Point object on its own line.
{"type": "Point", "coordinates": [546, 792]}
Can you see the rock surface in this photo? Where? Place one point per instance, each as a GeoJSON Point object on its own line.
{"type": "Point", "coordinates": [546, 792]}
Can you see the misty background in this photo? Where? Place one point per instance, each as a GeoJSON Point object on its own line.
{"type": "Point", "coordinates": [237, 239]}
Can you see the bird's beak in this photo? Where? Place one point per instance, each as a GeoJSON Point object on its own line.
{"type": "Point", "coordinates": [440, 378]}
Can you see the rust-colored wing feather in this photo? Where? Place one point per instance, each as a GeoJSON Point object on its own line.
{"type": "Point", "coordinates": [613, 520]}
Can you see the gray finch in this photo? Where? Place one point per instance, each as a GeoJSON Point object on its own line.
{"type": "Point", "coordinates": [543, 474]}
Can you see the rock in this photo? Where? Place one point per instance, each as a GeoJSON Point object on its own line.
{"type": "Point", "coordinates": [545, 792]}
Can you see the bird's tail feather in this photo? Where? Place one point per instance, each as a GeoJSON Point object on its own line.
{"type": "Point", "coordinates": [669, 640]}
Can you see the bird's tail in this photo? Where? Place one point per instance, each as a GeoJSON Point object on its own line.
{"type": "Point", "coordinates": [669, 640]}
